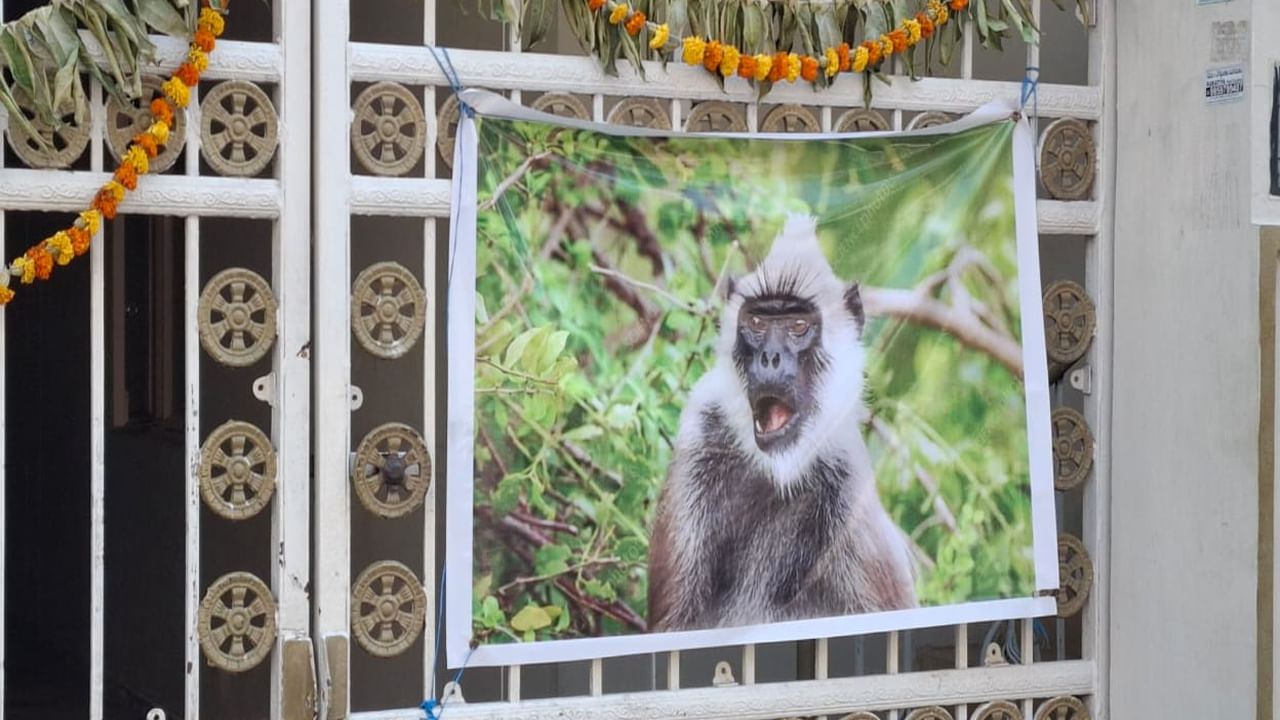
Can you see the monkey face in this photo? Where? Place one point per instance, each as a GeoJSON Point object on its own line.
{"type": "Point", "coordinates": [777, 349]}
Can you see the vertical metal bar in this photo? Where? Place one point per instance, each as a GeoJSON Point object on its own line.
{"type": "Point", "coordinates": [597, 678]}
{"type": "Point", "coordinates": [291, 278]}
{"type": "Point", "coordinates": [513, 683]}
{"type": "Point", "coordinates": [97, 425]}
{"type": "Point", "coordinates": [1027, 648]}
{"type": "Point", "coordinates": [597, 107]}
{"type": "Point", "coordinates": [748, 664]}
{"type": "Point", "coordinates": [820, 647]}
{"type": "Point", "coordinates": [191, 352]}
{"type": "Point", "coordinates": [891, 665]}
{"type": "Point", "coordinates": [962, 662]}
{"type": "Point", "coordinates": [436, 296]}
{"type": "Point", "coordinates": [966, 53]}
{"type": "Point", "coordinates": [673, 670]}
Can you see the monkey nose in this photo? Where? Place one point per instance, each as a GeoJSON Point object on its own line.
{"type": "Point", "coordinates": [770, 360]}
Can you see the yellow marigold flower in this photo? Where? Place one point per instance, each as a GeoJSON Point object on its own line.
{"type": "Point", "coordinates": [939, 11]}
{"type": "Point", "coordinates": [212, 21]}
{"type": "Point", "coordinates": [5, 295]}
{"type": "Point", "coordinates": [694, 48]}
{"type": "Point", "coordinates": [859, 59]}
{"type": "Point", "coordinates": [764, 63]}
{"type": "Point", "coordinates": [198, 58]}
{"type": "Point", "coordinates": [60, 247]}
{"type": "Point", "coordinates": [160, 132]}
{"type": "Point", "coordinates": [729, 62]}
{"type": "Point", "coordinates": [115, 189]}
{"type": "Point", "coordinates": [137, 157]}
{"type": "Point", "coordinates": [833, 63]}
{"type": "Point", "coordinates": [619, 12]}
{"type": "Point", "coordinates": [793, 67]}
{"type": "Point", "coordinates": [177, 93]}
{"type": "Point", "coordinates": [913, 31]}
{"type": "Point", "coordinates": [659, 39]}
{"type": "Point", "coordinates": [886, 45]}
{"type": "Point", "coordinates": [91, 220]}
{"type": "Point", "coordinates": [25, 269]}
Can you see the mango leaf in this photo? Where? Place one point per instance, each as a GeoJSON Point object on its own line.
{"type": "Point", "coordinates": [530, 618]}
{"type": "Point", "coordinates": [163, 16]}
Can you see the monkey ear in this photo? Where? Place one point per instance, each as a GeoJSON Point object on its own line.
{"type": "Point", "coordinates": [726, 287]}
{"type": "Point", "coordinates": [853, 303]}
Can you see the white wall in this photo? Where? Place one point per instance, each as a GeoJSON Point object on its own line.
{"type": "Point", "coordinates": [1185, 413]}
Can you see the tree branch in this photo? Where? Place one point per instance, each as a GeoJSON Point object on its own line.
{"type": "Point", "coordinates": [511, 179]}
{"type": "Point", "coordinates": [945, 516]}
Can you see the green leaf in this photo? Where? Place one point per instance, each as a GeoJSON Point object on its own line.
{"type": "Point", "coordinates": [584, 432]}
{"type": "Point", "coordinates": [600, 591]}
{"type": "Point", "coordinates": [507, 495]}
{"type": "Point", "coordinates": [632, 549]}
{"type": "Point", "coordinates": [530, 618]}
{"type": "Point", "coordinates": [551, 560]}
{"type": "Point", "coordinates": [516, 349]}
{"type": "Point", "coordinates": [162, 16]}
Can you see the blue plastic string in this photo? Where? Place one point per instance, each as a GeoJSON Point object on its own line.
{"type": "Point", "coordinates": [445, 63]}
{"type": "Point", "coordinates": [1030, 85]}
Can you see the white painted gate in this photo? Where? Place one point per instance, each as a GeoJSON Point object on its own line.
{"type": "Point", "coordinates": [333, 215]}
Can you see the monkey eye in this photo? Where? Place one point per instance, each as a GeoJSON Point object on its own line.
{"type": "Point", "coordinates": [756, 323]}
{"type": "Point", "coordinates": [799, 326]}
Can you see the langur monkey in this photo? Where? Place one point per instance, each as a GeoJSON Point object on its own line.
{"type": "Point", "coordinates": [769, 511]}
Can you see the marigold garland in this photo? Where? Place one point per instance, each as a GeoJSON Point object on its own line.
{"type": "Point", "coordinates": [60, 248]}
{"type": "Point", "coordinates": [728, 60]}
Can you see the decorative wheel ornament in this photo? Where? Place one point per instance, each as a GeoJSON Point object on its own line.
{"type": "Point", "coordinates": [392, 470]}
{"type": "Point", "coordinates": [641, 113]}
{"type": "Point", "coordinates": [125, 120]}
{"type": "Point", "coordinates": [1072, 448]}
{"type": "Point", "coordinates": [1075, 576]}
{"type": "Point", "coordinates": [929, 713]}
{"type": "Point", "coordinates": [861, 716]}
{"type": "Point", "coordinates": [791, 119]}
{"type": "Point", "coordinates": [447, 128]}
{"type": "Point", "coordinates": [861, 120]}
{"type": "Point", "coordinates": [1069, 321]}
{"type": "Point", "coordinates": [389, 132]}
{"type": "Point", "coordinates": [238, 129]}
{"type": "Point", "coordinates": [562, 105]}
{"type": "Point", "coordinates": [998, 710]}
{"type": "Point", "coordinates": [237, 315]}
{"type": "Point", "coordinates": [388, 309]}
{"type": "Point", "coordinates": [62, 145]}
{"type": "Point", "coordinates": [1068, 159]}
{"type": "Point", "coordinates": [715, 116]}
{"type": "Point", "coordinates": [929, 119]}
{"type": "Point", "coordinates": [388, 608]}
{"type": "Point", "coordinates": [237, 470]}
{"type": "Point", "coordinates": [237, 622]}
{"type": "Point", "coordinates": [1063, 708]}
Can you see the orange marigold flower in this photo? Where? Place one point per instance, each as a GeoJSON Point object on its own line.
{"type": "Point", "coordinates": [162, 111]}
{"type": "Point", "coordinates": [188, 74]}
{"type": "Point", "coordinates": [747, 67]}
{"type": "Point", "coordinates": [636, 23]}
{"type": "Point", "coordinates": [873, 52]}
{"type": "Point", "coordinates": [779, 68]}
{"type": "Point", "coordinates": [147, 142]}
{"type": "Point", "coordinates": [205, 40]}
{"type": "Point", "coordinates": [842, 53]}
{"type": "Point", "coordinates": [105, 203]}
{"type": "Point", "coordinates": [42, 261]}
{"type": "Point", "coordinates": [5, 295]}
{"type": "Point", "coordinates": [79, 240]}
{"type": "Point", "coordinates": [715, 53]}
{"type": "Point", "coordinates": [926, 24]}
{"type": "Point", "coordinates": [809, 68]}
{"type": "Point", "coordinates": [958, 5]}
{"type": "Point", "coordinates": [899, 39]}
{"type": "Point", "coordinates": [127, 176]}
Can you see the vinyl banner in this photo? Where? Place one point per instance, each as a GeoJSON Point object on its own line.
{"type": "Point", "coordinates": [711, 390]}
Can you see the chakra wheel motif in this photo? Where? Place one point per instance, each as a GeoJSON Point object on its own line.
{"type": "Point", "coordinates": [860, 716]}
{"type": "Point", "coordinates": [1068, 159]}
{"type": "Point", "coordinates": [562, 105]}
{"type": "Point", "coordinates": [388, 309]}
{"type": "Point", "coordinates": [791, 119]}
{"type": "Point", "coordinates": [389, 132]}
{"type": "Point", "coordinates": [125, 120]}
{"type": "Point", "coordinates": [237, 470]}
{"type": "Point", "coordinates": [62, 145]}
{"type": "Point", "coordinates": [929, 713]}
{"type": "Point", "coordinates": [861, 120]}
{"type": "Point", "coordinates": [392, 470]}
{"type": "Point", "coordinates": [1063, 708]}
{"type": "Point", "coordinates": [238, 129]}
{"type": "Point", "coordinates": [237, 317]}
{"type": "Point", "coordinates": [929, 119]}
{"type": "Point", "coordinates": [1072, 448]}
{"type": "Point", "coordinates": [641, 113]}
{"type": "Point", "coordinates": [237, 622]}
{"type": "Point", "coordinates": [715, 116]}
{"type": "Point", "coordinates": [998, 710]}
{"type": "Point", "coordinates": [447, 128]}
{"type": "Point", "coordinates": [1075, 576]}
{"type": "Point", "coordinates": [1069, 321]}
{"type": "Point", "coordinates": [388, 608]}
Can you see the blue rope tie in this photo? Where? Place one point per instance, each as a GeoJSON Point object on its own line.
{"type": "Point", "coordinates": [451, 74]}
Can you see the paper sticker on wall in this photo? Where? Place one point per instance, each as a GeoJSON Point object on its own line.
{"type": "Point", "coordinates": [1224, 84]}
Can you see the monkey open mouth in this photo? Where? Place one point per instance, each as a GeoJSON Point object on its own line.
{"type": "Point", "coordinates": [773, 417]}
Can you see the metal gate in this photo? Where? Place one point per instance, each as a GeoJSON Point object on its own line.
{"type": "Point", "coordinates": [305, 566]}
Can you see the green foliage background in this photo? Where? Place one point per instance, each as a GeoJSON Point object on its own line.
{"type": "Point", "coordinates": [598, 257]}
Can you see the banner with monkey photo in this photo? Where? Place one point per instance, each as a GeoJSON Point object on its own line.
{"type": "Point", "coordinates": [715, 389]}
